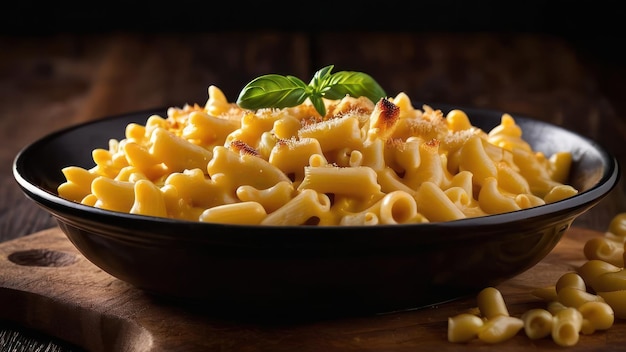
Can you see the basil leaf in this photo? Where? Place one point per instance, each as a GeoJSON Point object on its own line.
{"type": "Point", "coordinates": [318, 104]}
{"type": "Point", "coordinates": [321, 78]}
{"type": "Point", "coordinates": [276, 91]}
{"type": "Point", "coordinates": [273, 91]}
{"type": "Point", "coordinates": [355, 84]}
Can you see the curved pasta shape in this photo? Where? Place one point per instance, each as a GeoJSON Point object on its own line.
{"type": "Point", "coordinates": [491, 303]}
{"type": "Point", "coordinates": [610, 281]}
{"type": "Point", "coordinates": [208, 130]}
{"type": "Point", "coordinates": [252, 128]}
{"type": "Point", "coordinates": [389, 181]}
{"type": "Point", "coordinates": [597, 315]}
{"type": "Point", "coordinates": [78, 183]}
{"type": "Point", "coordinates": [357, 182]}
{"type": "Point", "coordinates": [508, 135]}
{"type": "Point", "coordinates": [464, 327]}
{"type": "Point", "coordinates": [500, 328]}
{"type": "Point", "coordinates": [431, 168]}
{"type": "Point", "coordinates": [292, 156]}
{"type": "Point", "coordinates": [194, 188]}
{"type": "Point", "coordinates": [475, 160]}
{"type": "Point", "coordinates": [605, 249]}
{"type": "Point", "coordinates": [300, 209]}
{"type": "Point", "coordinates": [244, 169]}
{"type": "Point", "coordinates": [219, 155]}
{"type": "Point", "coordinates": [177, 153]}
{"type": "Point", "coordinates": [435, 205]}
{"type": "Point", "coordinates": [571, 279]}
{"type": "Point", "coordinates": [492, 200]}
{"type": "Point", "coordinates": [537, 323]}
{"type": "Point", "coordinates": [617, 301]}
{"type": "Point", "coordinates": [271, 198]}
{"type": "Point", "coordinates": [394, 208]}
{"type": "Point", "coordinates": [574, 297]}
{"type": "Point", "coordinates": [217, 104]}
{"type": "Point", "coordinates": [547, 293]}
{"type": "Point", "coordinates": [593, 269]}
{"type": "Point", "coordinates": [399, 208]}
{"type": "Point", "coordinates": [566, 326]}
{"type": "Point", "coordinates": [148, 200]}
{"type": "Point", "coordinates": [113, 195]}
{"type": "Point", "coordinates": [139, 156]}
{"type": "Point", "coordinates": [617, 226]}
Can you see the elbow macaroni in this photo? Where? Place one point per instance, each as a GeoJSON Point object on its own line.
{"type": "Point", "coordinates": [364, 163]}
{"type": "Point", "coordinates": [581, 302]}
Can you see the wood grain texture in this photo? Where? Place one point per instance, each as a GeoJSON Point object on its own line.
{"type": "Point", "coordinates": [54, 289]}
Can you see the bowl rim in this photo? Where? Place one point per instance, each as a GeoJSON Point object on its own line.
{"type": "Point", "coordinates": [60, 207]}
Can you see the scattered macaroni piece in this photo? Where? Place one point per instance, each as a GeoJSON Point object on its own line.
{"type": "Point", "coordinates": [362, 163]}
{"type": "Point", "coordinates": [566, 326]}
{"type": "Point", "coordinates": [537, 323]}
{"type": "Point", "coordinates": [580, 303]}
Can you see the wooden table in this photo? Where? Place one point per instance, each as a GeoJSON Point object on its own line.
{"type": "Point", "coordinates": [50, 82]}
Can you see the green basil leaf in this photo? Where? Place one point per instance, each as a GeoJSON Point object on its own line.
{"type": "Point", "coordinates": [318, 104]}
{"type": "Point", "coordinates": [321, 78]}
{"type": "Point", "coordinates": [355, 84]}
{"type": "Point", "coordinates": [273, 91]}
{"type": "Point", "coordinates": [276, 91]}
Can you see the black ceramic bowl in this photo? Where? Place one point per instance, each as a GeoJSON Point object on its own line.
{"type": "Point", "coordinates": [314, 269]}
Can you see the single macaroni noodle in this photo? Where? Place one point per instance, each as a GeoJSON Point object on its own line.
{"type": "Point", "coordinates": [363, 163]}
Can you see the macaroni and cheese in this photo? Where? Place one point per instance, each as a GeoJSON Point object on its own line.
{"type": "Point", "coordinates": [362, 163]}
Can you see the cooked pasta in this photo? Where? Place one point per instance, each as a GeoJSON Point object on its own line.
{"type": "Point", "coordinates": [500, 328]}
{"type": "Point", "coordinates": [581, 302]}
{"type": "Point", "coordinates": [464, 327]}
{"type": "Point", "coordinates": [537, 323]}
{"type": "Point", "coordinates": [567, 326]}
{"type": "Point", "coordinates": [362, 163]}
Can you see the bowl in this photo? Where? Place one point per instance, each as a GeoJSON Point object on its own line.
{"type": "Point", "coordinates": [311, 269]}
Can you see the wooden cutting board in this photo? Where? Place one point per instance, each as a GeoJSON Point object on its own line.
{"type": "Point", "coordinates": [46, 284]}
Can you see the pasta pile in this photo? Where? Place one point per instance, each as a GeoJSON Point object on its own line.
{"type": "Point", "coordinates": [581, 302]}
{"type": "Point", "coordinates": [363, 163]}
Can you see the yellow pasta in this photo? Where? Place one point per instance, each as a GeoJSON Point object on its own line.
{"type": "Point", "coordinates": [362, 163]}
{"type": "Point", "coordinates": [617, 226]}
{"type": "Point", "coordinates": [596, 316]}
{"type": "Point", "coordinates": [580, 303]}
{"type": "Point", "coordinates": [78, 184]}
{"type": "Point", "coordinates": [356, 182]}
{"type": "Point", "coordinates": [491, 303]}
{"type": "Point", "coordinates": [605, 249]}
{"type": "Point", "coordinates": [547, 293]}
{"type": "Point", "coordinates": [231, 213]}
{"type": "Point", "coordinates": [574, 297]}
{"type": "Point", "coordinates": [611, 281]}
{"type": "Point", "coordinates": [148, 200]}
{"type": "Point", "coordinates": [593, 269]}
{"type": "Point", "coordinates": [500, 328]}
{"type": "Point", "coordinates": [307, 205]}
{"type": "Point", "coordinates": [567, 326]}
{"type": "Point", "coordinates": [571, 280]}
{"type": "Point", "coordinates": [537, 323]}
{"type": "Point", "coordinates": [617, 301]}
{"type": "Point", "coordinates": [435, 204]}
{"type": "Point", "coordinates": [464, 327]}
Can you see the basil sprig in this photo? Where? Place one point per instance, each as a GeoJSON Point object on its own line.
{"type": "Point", "coordinates": [277, 91]}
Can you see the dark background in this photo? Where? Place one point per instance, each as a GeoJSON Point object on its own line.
{"type": "Point", "coordinates": [594, 28]}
